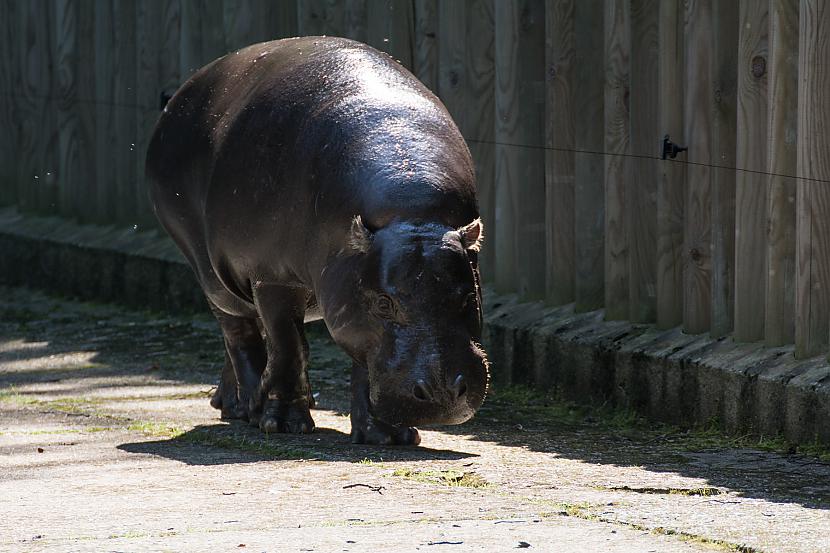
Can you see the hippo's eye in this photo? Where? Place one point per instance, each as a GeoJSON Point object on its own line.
{"type": "Point", "coordinates": [385, 307]}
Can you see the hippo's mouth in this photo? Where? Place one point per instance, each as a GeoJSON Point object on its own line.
{"type": "Point", "coordinates": [407, 412]}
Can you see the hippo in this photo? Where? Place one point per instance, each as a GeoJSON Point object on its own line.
{"type": "Point", "coordinates": [316, 178]}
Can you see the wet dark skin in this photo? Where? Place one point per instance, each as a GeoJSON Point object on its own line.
{"type": "Point", "coordinates": [317, 178]}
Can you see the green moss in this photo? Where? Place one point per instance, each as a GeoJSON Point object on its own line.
{"type": "Point", "coordinates": [451, 478]}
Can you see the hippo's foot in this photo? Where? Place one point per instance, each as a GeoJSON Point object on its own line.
{"type": "Point", "coordinates": [225, 399]}
{"type": "Point", "coordinates": [377, 432]}
{"type": "Point", "coordinates": [293, 417]}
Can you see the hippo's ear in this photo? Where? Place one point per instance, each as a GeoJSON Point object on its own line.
{"type": "Point", "coordinates": [472, 235]}
{"type": "Point", "coordinates": [360, 238]}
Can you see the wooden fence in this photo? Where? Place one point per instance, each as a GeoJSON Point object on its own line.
{"type": "Point", "coordinates": [564, 104]}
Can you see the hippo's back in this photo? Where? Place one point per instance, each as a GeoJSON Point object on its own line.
{"type": "Point", "coordinates": [261, 159]}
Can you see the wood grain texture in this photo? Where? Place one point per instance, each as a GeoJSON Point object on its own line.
{"type": "Point", "coordinates": [425, 61]}
{"type": "Point", "coordinates": [8, 119]}
{"type": "Point", "coordinates": [115, 121]}
{"type": "Point", "coordinates": [617, 138]}
{"type": "Point", "coordinates": [452, 87]}
{"type": "Point", "coordinates": [724, 121]}
{"type": "Point", "coordinates": [751, 153]}
{"type": "Point", "coordinates": [355, 19]}
{"type": "Point", "coordinates": [246, 22]}
{"type": "Point", "coordinates": [76, 147]}
{"type": "Point", "coordinates": [559, 158]}
{"type": "Point", "coordinates": [520, 194]}
{"type": "Point", "coordinates": [283, 19]}
{"type": "Point", "coordinates": [589, 173]}
{"type": "Point", "coordinates": [671, 176]}
{"type": "Point", "coordinates": [812, 308]}
{"type": "Point", "coordinates": [34, 105]}
{"type": "Point", "coordinates": [697, 232]}
{"type": "Point", "coordinates": [641, 186]}
{"type": "Point", "coordinates": [782, 159]}
{"type": "Point", "coordinates": [320, 17]}
{"type": "Point", "coordinates": [480, 119]}
{"type": "Point", "coordinates": [390, 27]}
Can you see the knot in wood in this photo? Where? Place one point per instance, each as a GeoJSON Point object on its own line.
{"type": "Point", "coordinates": [453, 75]}
{"type": "Point", "coordinates": [759, 66]}
{"type": "Point", "coordinates": [695, 254]}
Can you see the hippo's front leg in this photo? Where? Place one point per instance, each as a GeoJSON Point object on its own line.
{"type": "Point", "coordinates": [284, 399]}
{"type": "Point", "coordinates": [366, 429]}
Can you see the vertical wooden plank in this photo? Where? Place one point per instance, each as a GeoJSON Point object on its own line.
{"type": "Point", "coordinates": [320, 17]}
{"type": "Point", "coordinates": [202, 34]}
{"type": "Point", "coordinates": [246, 22]}
{"type": "Point", "coordinates": [724, 124]}
{"type": "Point", "coordinates": [37, 162]}
{"type": "Point", "coordinates": [452, 58]}
{"type": "Point", "coordinates": [589, 163]}
{"type": "Point", "coordinates": [813, 194]}
{"type": "Point", "coordinates": [617, 50]}
{"type": "Point", "coordinates": [750, 201]}
{"type": "Point", "coordinates": [697, 119]}
{"type": "Point", "coordinates": [115, 122]}
{"type": "Point", "coordinates": [520, 200]}
{"type": "Point", "coordinates": [157, 73]}
{"type": "Point", "coordinates": [641, 187]}
{"type": "Point", "coordinates": [671, 175]}
{"type": "Point", "coordinates": [425, 62]}
{"type": "Point", "coordinates": [8, 121]}
{"type": "Point", "coordinates": [559, 157]}
{"type": "Point", "coordinates": [480, 119]}
{"type": "Point", "coordinates": [355, 20]}
{"type": "Point", "coordinates": [391, 26]}
{"type": "Point", "coordinates": [283, 19]}
{"type": "Point", "coordinates": [782, 160]}
{"type": "Point", "coordinates": [73, 26]}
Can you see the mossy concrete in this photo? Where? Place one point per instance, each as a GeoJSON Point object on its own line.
{"type": "Point", "coordinates": [665, 375]}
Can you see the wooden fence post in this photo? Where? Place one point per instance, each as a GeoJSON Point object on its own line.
{"type": "Point", "coordinates": [391, 26]}
{"type": "Point", "coordinates": [724, 124]}
{"type": "Point", "coordinates": [37, 147]}
{"type": "Point", "coordinates": [425, 60]}
{"type": "Point", "coordinates": [782, 159]}
{"type": "Point", "coordinates": [589, 174]}
{"type": "Point", "coordinates": [9, 139]}
{"type": "Point", "coordinates": [617, 127]}
{"type": "Point", "coordinates": [559, 158]}
{"type": "Point", "coordinates": [750, 193]}
{"type": "Point", "coordinates": [520, 194]}
{"type": "Point", "coordinates": [641, 184]}
{"type": "Point", "coordinates": [480, 119]}
{"type": "Point", "coordinates": [671, 175]}
{"type": "Point", "coordinates": [812, 309]}
{"type": "Point", "coordinates": [697, 119]}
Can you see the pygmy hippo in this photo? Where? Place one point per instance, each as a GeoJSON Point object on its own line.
{"type": "Point", "coordinates": [314, 178]}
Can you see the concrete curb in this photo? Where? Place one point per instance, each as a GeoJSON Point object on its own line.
{"type": "Point", "coordinates": [664, 374]}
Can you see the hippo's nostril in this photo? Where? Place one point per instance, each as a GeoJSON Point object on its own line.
{"type": "Point", "coordinates": [420, 390]}
{"type": "Point", "coordinates": [460, 386]}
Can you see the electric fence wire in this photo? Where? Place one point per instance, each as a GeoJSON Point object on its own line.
{"type": "Point", "coordinates": [128, 105]}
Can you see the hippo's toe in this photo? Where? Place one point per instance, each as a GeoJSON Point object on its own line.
{"type": "Point", "coordinates": [380, 433]}
{"type": "Point", "coordinates": [292, 417]}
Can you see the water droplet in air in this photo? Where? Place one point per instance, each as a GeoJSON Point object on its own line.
{"type": "Point", "coordinates": [135, 227]}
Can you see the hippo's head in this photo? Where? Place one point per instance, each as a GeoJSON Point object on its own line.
{"type": "Point", "coordinates": [410, 310]}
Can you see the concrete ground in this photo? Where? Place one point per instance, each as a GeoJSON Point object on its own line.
{"type": "Point", "coordinates": [108, 443]}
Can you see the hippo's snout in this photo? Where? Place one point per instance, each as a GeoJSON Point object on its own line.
{"type": "Point", "coordinates": [425, 401]}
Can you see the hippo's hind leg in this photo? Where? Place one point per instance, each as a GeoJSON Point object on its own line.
{"type": "Point", "coordinates": [285, 393]}
{"type": "Point", "coordinates": [366, 429]}
{"type": "Point", "coordinates": [226, 396]}
{"type": "Point", "coordinates": [244, 362]}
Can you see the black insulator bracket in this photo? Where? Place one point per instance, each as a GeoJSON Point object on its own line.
{"type": "Point", "coordinates": [164, 97]}
{"type": "Point", "coordinates": [670, 149]}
